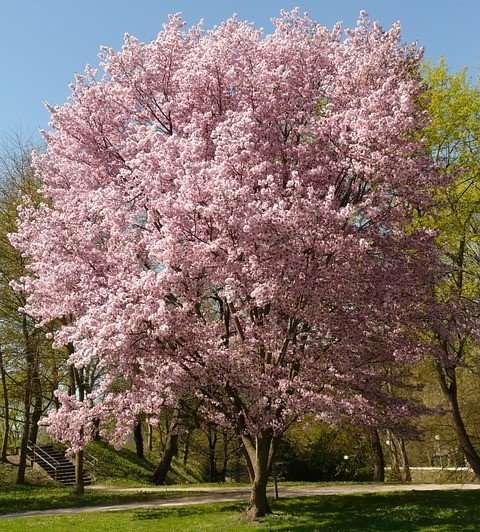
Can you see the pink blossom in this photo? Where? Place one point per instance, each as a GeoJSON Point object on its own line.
{"type": "Point", "coordinates": [225, 219]}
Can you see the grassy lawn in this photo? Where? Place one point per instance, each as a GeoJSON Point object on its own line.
{"type": "Point", "coordinates": [131, 484]}
{"type": "Point", "coordinates": [25, 498]}
{"type": "Point", "coordinates": [412, 511]}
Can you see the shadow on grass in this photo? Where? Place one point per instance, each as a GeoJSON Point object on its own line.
{"type": "Point", "coordinates": [190, 511]}
{"type": "Point", "coordinates": [408, 511]}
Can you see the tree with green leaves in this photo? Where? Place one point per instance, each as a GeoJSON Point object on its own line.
{"type": "Point", "coordinates": [30, 369]}
{"type": "Point", "coordinates": [453, 135]}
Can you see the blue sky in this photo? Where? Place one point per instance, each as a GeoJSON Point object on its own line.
{"type": "Point", "coordinates": [43, 43]}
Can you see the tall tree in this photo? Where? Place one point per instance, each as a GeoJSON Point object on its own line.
{"type": "Point", "coordinates": [227, 218]}
{"type": "Point", "coordinates": [28, 362]}
{"type": "Point", "coordinates": [16, 326]}
{"type": "Point", "coordinates": [378, 456]}
{"type": "Point", "coordinates": [453, 103]}
{"type": "Point", "coordinates": [6, 409]}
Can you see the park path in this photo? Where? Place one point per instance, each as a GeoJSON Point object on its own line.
{"type": "Point", "coordinates": [220, 494]}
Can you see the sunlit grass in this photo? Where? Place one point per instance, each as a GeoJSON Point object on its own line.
{"type": "Point", "coordinates": [438, 511]}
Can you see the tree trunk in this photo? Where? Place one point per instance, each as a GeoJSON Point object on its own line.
{"type": "Point", "coordinates": [22, 463]}
{"type": "Point", "coordinates": [37, 403]}
{"type": "Point", "coordinates": [379, 459]}
{"type": "Point", "coordinates": [79, 484]}
{"type": "Point", "coordinates": [96, 431]}
{"type": "Point", "coordinates": [251, 473]}
{"type": "Point", "coordinates": [171, 449]}
{"type": "Point", "coordinates": [27, 401]}
{"type": "Point", "coordinates": [395, 471]}
{"type": "Point", "coordinates": [405, 464]}
{"type": "Point", "coordinates": [225, 456]}
{"type": "Point", "coordinates": [451, 393]}
{"type": "Point", "coordinates": [6, 406]}
{"type": "Point", "coordinates": [260, 455]}
{"type": "Point", "coordinates": [71, 374]}
{"type": "Point", "coordinates": [186, 447]}
{"type": "Point", "coordinates": [138, 436]}
{"type": "Point", "coordinates": [79, 461]}
{"type": "Point", "coordinates": [212, 458]}
{"type": "Point", "coordinates": [150, 437]}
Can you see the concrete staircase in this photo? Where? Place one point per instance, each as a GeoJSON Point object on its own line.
{"type": "Point", "coordinates": [54, 462]}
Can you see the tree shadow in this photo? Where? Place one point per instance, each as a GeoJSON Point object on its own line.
{"type": "Point", "coordinates": [400, 512]}
{"type": "Point", "coordinates": [188, 511]}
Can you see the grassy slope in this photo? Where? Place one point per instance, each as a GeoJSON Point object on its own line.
{"type": "Point", "coordinates": [119, 467]}
{"type": "Point", "coordinates": [8, 474]}
{"type": "Point", "coordinates": [125, 468]}
{"type": "Point", "coordinates": [180, 474]}
{"type": "Point", "coordinates": [409, 511]}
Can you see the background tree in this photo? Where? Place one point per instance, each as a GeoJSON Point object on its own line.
{"type": "Point", "coordinates": [30, 370]}
{"type": "Point", "coordinates": [453, 103]}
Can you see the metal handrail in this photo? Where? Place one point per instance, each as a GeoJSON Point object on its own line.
{"type": "Point", "coordinates": [38, 452]}
{"type": "Point", "coordinates": [34, 450]}
{"type": "Point", "coordinates": [92, 460]}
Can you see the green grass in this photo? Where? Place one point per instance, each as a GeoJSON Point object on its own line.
{"type": "Point", "coordinates": [400, 512]}
{"type": "Point", "coordinates": [179, 473]}
{"type": "Point", "coordinates": [124, 468]}
{"type": "Point", "coordinates": [8, 475]}
{"type": "Point", "coordinates": [119, 467]}
{"type": "Point", "coordinates": [25, 498]}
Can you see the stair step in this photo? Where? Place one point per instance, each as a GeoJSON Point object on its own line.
{"type": "Point", "coordinates": [62, 469]}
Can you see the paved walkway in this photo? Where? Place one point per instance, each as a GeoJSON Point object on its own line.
{"type": "Point", "coordinates": [212, 495]}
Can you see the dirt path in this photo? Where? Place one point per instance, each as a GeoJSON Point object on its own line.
{"type": "Point", "coordinates": [212, 495]}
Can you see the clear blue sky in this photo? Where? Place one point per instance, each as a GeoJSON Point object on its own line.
{"type": "Point", "coordinates": [43, 43]}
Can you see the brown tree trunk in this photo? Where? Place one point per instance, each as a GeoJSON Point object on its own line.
{"type": "Point", "coordinates": [395, 470]}
{"type": "Point", "coordinates": [79, 463]}
{"type": "Point", "coordinates": [379, 459]}
{"type": "Point", "coordinates": [79, 458]}
{"type": "Point", "coordinates": [225, 456]}
{"type": "Point", "coordinates": [448, 383]}
{"type": "Point", "coordinates": [212, 458]}
{"type": "Point", "coordinates": [138, 436]}
{"type": "Point", "coordinates": [407, 476]}
{"type": "Point", "coordinates": [6, 407]}
{"type": "Point", "coordinates": [251, 473]}
{"type": "Point", "coordinates": [150, 437]}
{"type": "Point", "coordinates": [27, 401]}
{"type": "Point", "coordinates": [260, 455]}
{"type": "Point", "coordinates": [171, 450]}
{"type": "Point", "coordinates": [186, 447]}
{"type": "Point", "coordinates": [37, 402]}
{"type": "Point", "coordinates": [71, 374]}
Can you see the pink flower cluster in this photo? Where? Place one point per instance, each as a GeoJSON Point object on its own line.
{"type": "Point", "coordinates": [226, 220]}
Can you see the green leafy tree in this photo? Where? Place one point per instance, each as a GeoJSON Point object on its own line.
{"type": "Point", "coordinates": [30, 369]}
{"type": "Point", "coordinates": [453, 135]}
